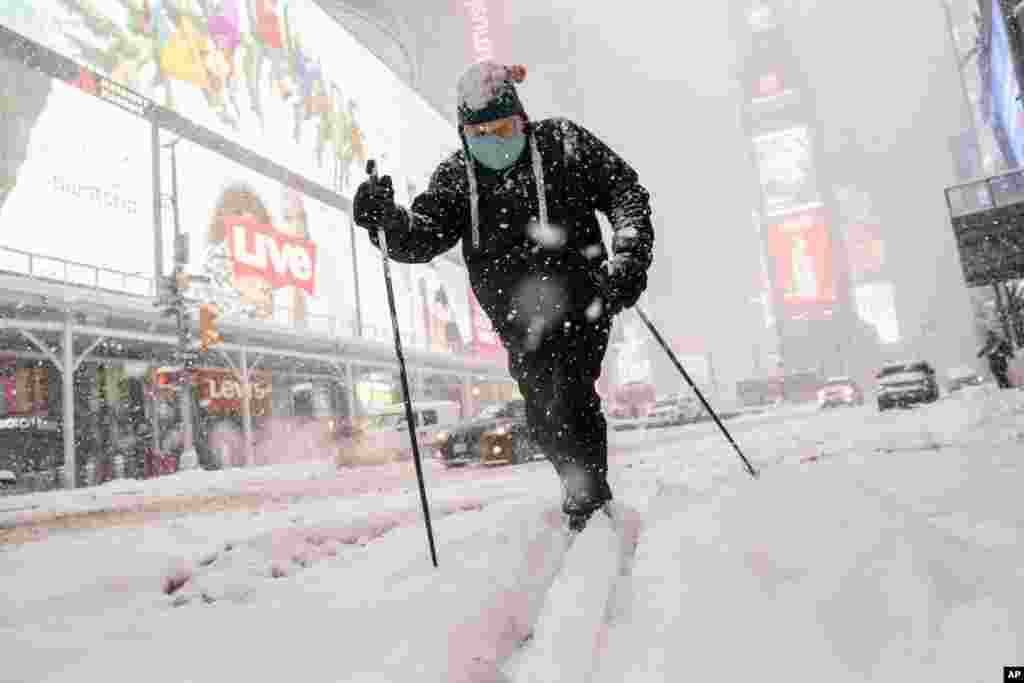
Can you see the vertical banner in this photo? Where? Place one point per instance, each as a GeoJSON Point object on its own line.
{"type": "Point", "coordinates": [486, 344]}
{"type": "Point", "coordinates": [800, 247]}
{"type": "Point", "coordinates": [485, 30]}
{"type": "Point", "coordinates": [444, 306]}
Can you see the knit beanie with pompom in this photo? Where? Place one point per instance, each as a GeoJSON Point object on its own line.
{"type": "Point", "coordinates": [487, 92]}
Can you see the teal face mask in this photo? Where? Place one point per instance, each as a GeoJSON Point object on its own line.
{"type": "Point", "coordinates": [496, 153]}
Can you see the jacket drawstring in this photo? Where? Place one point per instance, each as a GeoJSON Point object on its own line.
{"type": "Point", "coordinates": [538, 177]}
{"type": "Point", "coordinates": [474, 201]}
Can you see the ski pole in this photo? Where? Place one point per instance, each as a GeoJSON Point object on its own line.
{"type": "Point", "coordinates": [371, 170]}
{"type": "Point", "coordinates": [679, 366]}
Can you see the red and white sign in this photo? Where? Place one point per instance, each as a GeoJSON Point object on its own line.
{"type": "Point", "coordinates": [221, 392]}
{"type": "Point", "coordinates": [486, 29]}
{"type": "Point", "coordinates": [259, 250]}
{"type": "Point", "coordinates": [486, 343]}
{"type": "Point", "coordinates": [799, 245]}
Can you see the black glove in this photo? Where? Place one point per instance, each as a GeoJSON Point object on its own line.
{"type": "Point", "coordinates": [625, 282]}
{"type": "Point", "coordinates": [374, 207]}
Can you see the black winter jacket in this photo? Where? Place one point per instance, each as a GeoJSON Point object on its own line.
{"type": "Point", "coordinates": [582, 175]}
{"type": "Point", "coordinates": [998, 352]}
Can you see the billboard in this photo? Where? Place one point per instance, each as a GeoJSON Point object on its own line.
{"type": "Point", "coordinates": [785, 166]}
{"type": "Point", "coordinates": [279, 77]}
{"type": "Point", "coordinates": [86, 172]}
{"type": "Point", "coordinates": [221, 393]}
{"type": "Point", "coordinates": [801, 251]}
{"type": "Point", "coordinates": [442, 299]}
{"type": "Point", "coordinates": [1002, 78]}
{"type": "Point", "coordinates": [270, 252]}
{"type": "Point", "coordinates": [876, 305]}
{"type": "Point", "coordinates": [282, 79]}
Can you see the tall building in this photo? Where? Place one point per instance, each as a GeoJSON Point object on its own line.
{"type": "Point", "coordinates": [806, 282]}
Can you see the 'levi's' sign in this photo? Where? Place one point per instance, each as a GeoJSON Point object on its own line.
{"type": "Point", "coordinates": [282, 260]}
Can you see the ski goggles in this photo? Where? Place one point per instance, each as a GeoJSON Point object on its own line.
{"type": "Point", "coordinates": [502, 128]}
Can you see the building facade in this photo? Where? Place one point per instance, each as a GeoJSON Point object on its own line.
{"type": "Point", "coordinates": [246, 134]}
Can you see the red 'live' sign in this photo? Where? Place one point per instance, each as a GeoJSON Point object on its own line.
{"type": "Point", "coordinates": [259, 250]}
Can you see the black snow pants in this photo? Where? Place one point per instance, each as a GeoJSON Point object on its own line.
{"type": "Point", "coordinates": [1001, 371]}
{"type": "Point", "coordinates": [563, 410]}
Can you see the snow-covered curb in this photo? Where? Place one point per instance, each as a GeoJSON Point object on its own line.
{"type": "Point", "coordinates": [131, 493]}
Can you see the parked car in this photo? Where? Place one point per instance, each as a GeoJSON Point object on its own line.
{"type": "Point", "coordinates": [904, 384]}
{"type": "Point", "coordinates": [840, 391]}
{"type": "Point", "coordinates": [389, 428]}
{"type": "Point", "coordinates": [962, 377]}
{"type": "Point", "coordinates": [496, 436]}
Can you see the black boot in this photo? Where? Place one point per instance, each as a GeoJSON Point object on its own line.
{"type": "Point", "coordinates": [582, 498]}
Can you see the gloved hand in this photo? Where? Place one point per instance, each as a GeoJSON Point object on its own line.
{"type": "Point", "coordinates": [625, 282]}
{"type": "Point", "coordinates": [374, 207]}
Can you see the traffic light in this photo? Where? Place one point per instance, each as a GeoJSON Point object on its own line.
{"type": "Point", "coordinates": [182, 281]}
{"type": "Point", "coordinates": [208, 335]}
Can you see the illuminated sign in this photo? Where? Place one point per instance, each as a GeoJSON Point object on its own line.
{"type": "Point", "coordinates": [281, 260]}
{"type": "Point", "coordinates": [800, 247]}
{"type": "Point", "coordinates": [25, 423]}
{"type": "Point", "coordinates": [786, 169]}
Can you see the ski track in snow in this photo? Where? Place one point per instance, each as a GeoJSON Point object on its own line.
{"type": "Point", "coordinates": [567, 631]}
{"type": "Point", "coordinates": [586, 578]}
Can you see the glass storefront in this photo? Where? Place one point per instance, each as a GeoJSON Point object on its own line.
{"type": "Point", "coordinates": [112, 418]}
{"type": "Point", "coordinates": [30, 422]}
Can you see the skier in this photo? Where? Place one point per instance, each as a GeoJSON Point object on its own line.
{"type": "Point", "coordinates": [522, 196]}
{"type": "Point", "coordinates": [999, 352]}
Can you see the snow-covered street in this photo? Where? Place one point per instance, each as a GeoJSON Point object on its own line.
{"type": "Point", "coordinates": [877, 547]}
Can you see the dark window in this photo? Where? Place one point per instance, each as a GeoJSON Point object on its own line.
{"type": "Point", "coordinates": [429, 417]}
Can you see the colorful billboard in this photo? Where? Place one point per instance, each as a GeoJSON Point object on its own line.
{"type": "Point", "coordinates": [1005, 90]}
{"type": "Point", "coordinates": [279, 77]}
{"type": "Point", "coordinates": [85, 173]}
{"type": "Point", "coordinates": [801, 250]}
{"type": "Point", "coordinates": [270, 252]}
{"type": "Point", "coordinates": [785, 165]}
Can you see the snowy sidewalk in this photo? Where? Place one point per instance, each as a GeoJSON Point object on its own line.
{"type": "Point", "coordinates": [891, 551]}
